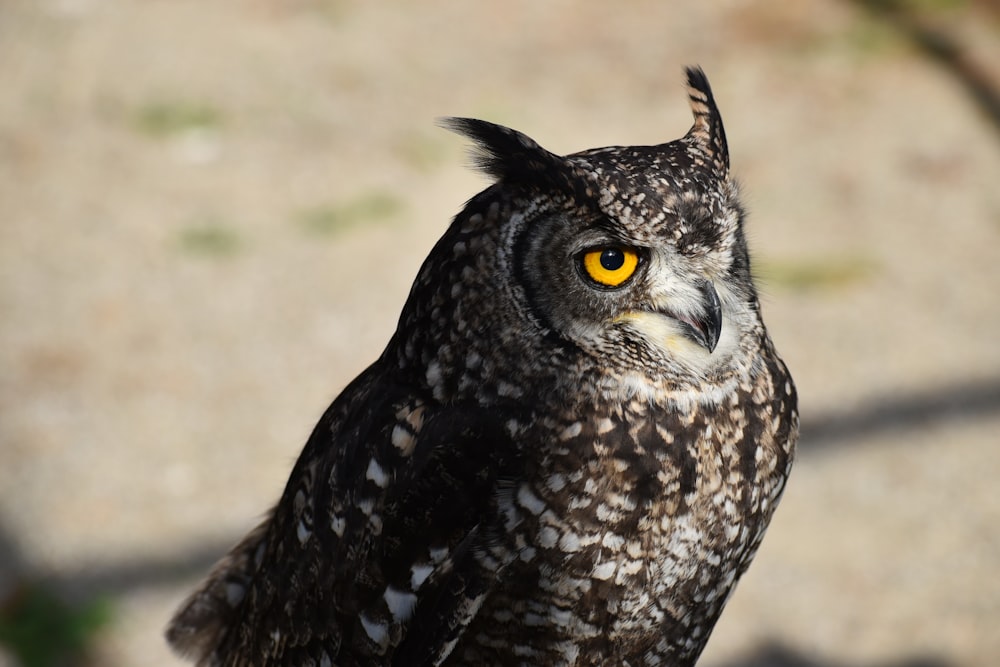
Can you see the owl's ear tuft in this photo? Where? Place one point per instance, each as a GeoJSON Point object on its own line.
{"type": "Point", "coordinates": [503, 153]}
{"type": "Point", "coordinates": [707, 132]}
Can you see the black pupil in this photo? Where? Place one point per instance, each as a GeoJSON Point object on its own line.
{"type": "Point", "coordinates": [612, 259]}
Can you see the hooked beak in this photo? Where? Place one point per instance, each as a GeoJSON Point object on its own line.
{"type": "Point", "coordinates": [705, 327]}
{"type": "Point", "coordinates": [697, 319]}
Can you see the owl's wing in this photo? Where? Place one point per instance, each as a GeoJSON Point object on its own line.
{"type": "Point", "coordinates": [386, 540]}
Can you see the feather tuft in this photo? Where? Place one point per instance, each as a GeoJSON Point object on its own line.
{"type": "Point", "coordinates": [707, 131]}
{"type": "Point", "coordinates": [503, 153]}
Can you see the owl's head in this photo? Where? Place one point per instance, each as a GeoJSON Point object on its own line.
{"type": "Point", "coordinates": [633, 256]}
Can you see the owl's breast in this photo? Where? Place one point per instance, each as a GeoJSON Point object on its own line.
{"type": "Point", "coordinates": [634, 522]}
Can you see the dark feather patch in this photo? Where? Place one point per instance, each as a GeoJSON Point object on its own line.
{"type": "Point", "coordinates": [504, 153]}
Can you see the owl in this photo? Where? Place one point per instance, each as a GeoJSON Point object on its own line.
{"type": "Point", "coordinates": [568, 452]}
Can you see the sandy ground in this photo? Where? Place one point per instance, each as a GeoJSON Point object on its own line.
{"type": "Point", "coordinates": [210, 214]}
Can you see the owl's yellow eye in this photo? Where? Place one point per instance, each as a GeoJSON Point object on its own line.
{"type": "Point", "coordinates": [610, 266]}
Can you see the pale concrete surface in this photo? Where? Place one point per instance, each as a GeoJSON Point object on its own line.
{"type": "Point", "coordinates": [210, 214]}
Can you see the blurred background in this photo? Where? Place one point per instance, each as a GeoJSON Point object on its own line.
{"type": "Point", "coordinates": [211, 213]}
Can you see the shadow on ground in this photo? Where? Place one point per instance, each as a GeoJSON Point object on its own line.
{"type": "Point", "coordinates": [943, 48]}
{"type": "Point", "coordinates": [776, 655]}
{"type": "Point", "coordinates": [959, 402]}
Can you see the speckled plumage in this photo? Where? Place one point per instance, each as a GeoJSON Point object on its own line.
{"type": "Point", "coordinates": [539, 469]}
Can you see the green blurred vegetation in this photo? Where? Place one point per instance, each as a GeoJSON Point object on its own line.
{"type": "Point", "coordinates": [423, 151]}
{"type": "Point", "coordinates": [165, 119]}
{"type": "Point", "coordinates": [329, 219]}
{"type": "Point", "coordinates": [212, 238]}
{"type": "Point", "coordinates": [38, 628]}
{"type": "Point", "coordinates": [815, 274]}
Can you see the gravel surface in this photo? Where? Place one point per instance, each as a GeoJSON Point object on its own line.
{"type": "Point", "coordinates": [210, 215]}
